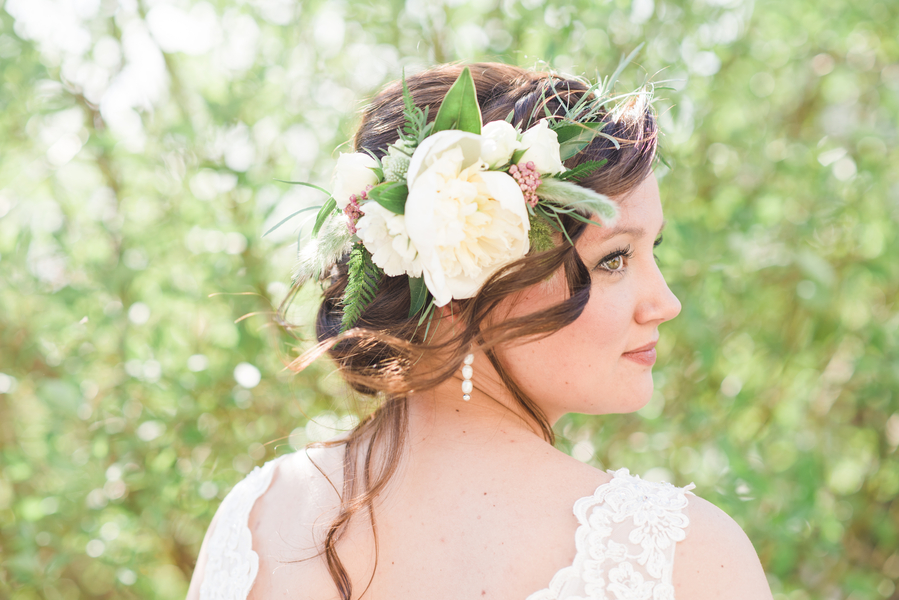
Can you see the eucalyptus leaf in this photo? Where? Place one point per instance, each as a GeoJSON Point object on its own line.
{"type": "Point", "coordinates": [460, 109]}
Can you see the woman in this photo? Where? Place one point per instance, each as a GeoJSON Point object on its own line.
{"type": "Point", "coordinates": [479, 313]}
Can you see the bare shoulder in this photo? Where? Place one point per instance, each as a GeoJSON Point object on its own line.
{"type": "Point", "coordinates": [717, 560]}
{"type": "Point", "coordinates": [283, 517]}
{"type": "Point", "coordinates": [305, 484]}
{"type": "Point", "coordinates": [289, 522]}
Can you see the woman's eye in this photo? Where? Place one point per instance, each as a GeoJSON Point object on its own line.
{"type": "Point", "coordinates": [616, 263]}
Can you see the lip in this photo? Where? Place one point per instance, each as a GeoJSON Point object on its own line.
{"type": "Point", "coordinates": [644, 355]}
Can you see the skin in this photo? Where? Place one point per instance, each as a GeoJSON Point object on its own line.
{"type": "Point", "coordinates": [481, 505]}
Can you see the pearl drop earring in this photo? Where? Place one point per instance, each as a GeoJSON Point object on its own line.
{"type": "Point", "coordinates": [467, 372]}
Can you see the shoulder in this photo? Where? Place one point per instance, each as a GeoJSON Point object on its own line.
{"type": "Point", "coordinates": [293, 484]}
{"type": "Point", "coordinates": [290, 521]}
{"type": "Point", "coordinates": [304, 485]}
{"type": "Point", "coordinates": [716, 559]}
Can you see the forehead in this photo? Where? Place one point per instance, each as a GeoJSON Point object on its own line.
{"type": "Point", "coordinates": [639, 213]}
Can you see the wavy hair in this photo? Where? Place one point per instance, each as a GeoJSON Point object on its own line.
{"type": "Point", "coordinates": [378, 356]}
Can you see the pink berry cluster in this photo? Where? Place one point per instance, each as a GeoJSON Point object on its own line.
{"type": "Point", "coordinates": [528, 180]}
{"type": "Point", "coordinates": [353, 211]}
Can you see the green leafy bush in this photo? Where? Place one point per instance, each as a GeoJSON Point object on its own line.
{"type": "Point", "coordinates": [141, 375]}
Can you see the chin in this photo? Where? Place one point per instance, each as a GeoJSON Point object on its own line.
{"type": "Point", "coordinates": [639, 396]}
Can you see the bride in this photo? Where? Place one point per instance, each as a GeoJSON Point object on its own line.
{"type": "Point", "coordinates": [488, 260]}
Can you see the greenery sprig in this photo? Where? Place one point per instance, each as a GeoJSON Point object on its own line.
{"type": "Point", "coordinates": [363, 278]}
{"type": "Point", "coordinates": [416, 128]}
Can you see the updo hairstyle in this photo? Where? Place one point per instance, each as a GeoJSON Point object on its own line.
{"type": "Point", "coordinates": [382, 356]}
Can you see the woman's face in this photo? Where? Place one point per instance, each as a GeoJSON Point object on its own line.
{"type": "Point", "coordinates": [602, 363]}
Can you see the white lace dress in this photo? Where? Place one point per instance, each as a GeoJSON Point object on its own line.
{"type": "Point", "coordinates": [625, 542]}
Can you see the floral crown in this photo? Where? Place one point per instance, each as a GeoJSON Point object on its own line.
{"type": "Point", "coordinates": [453, 200]}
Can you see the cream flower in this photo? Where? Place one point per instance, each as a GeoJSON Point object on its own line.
{"type": "Point", "coordinates": [499, 141]}
{"type": "Point", "coordinates": [465, 222]}
{"type": "Point", "coordinates": [384, 234]}
{"type": "Point", "coordinates": [543, 150]}
{"type": "Point", "coordinates": [352, 175]}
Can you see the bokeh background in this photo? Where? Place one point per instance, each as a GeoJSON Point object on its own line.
{"type": "Point", "coordinates": [140, 374]}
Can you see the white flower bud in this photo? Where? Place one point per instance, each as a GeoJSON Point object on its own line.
{"type": "Point", "coordinates": [499, 141]}
{"type": "Point", "coordinates": [352, 175]}
{"type": "Point", "coordinates": [543, 150]}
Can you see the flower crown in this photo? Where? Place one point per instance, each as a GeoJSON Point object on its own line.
{"type": "Point", "coordinates": [452, 201]}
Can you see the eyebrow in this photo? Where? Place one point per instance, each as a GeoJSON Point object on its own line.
{"type": "Point", "coordinates": [634, 231]}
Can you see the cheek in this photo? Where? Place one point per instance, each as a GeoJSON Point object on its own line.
{"type": "Point", "coordinates": [577, 358]}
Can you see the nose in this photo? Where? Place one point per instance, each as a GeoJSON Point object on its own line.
{"type": "Point", "coordinates": [659, 304]}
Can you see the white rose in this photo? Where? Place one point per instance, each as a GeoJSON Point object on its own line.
{"type": "Point", "coordinates": [499, 141]}
{"type": "Point", "coordinates": [384, 234]}
{"type": "Point", "coordinates": [542, 145]}
{"type": "Point", "coordinates": [465, 222]}
{"type": "Point", "coordinates": [352, 175]}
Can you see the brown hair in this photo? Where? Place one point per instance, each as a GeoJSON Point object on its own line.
{"type": "Point", "coordinates": [378, 356]}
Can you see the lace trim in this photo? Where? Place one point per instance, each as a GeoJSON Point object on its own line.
{"type": "Point", "coordinates": [625, 542]}
{"type": "Point", "coordinates": [231, 563]}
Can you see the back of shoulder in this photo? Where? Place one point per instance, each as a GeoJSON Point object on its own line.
{"type": "Point", "coordinates": [276, 505]}
{"type": "Point", "coordinates": [306, 487]}
{"type": "Point", "coordinates": [717, 560]}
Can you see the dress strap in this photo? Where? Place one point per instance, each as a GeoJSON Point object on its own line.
{"type": "Point", "coordinates": [625, 542]}
{"type": "Point", "coordinates": [232, 564]}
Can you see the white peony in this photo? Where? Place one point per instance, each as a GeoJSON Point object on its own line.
{"type": "Point", "coordinates": [384, 234]}
{"type": "Point", "coordinates": [465, 222]}
{"type": "Point", "coordinates": [542, 145]}
{"type": "Point", "coordinates": [499, 141]}
{"type": "Point", "coordinates": [352, 175]}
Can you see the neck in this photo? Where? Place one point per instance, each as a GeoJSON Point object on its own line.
{"type": "Point", "coordinates": [492, 417]}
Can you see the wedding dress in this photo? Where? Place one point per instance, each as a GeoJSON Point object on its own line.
{"type": "Point", "coordinates": [625, 541]}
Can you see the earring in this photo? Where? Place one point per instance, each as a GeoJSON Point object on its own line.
{"type": "Point", "coordinates": [467, 372]}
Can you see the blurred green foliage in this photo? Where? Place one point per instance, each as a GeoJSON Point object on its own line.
{"type": "Point", "coordinates": [140, 142]}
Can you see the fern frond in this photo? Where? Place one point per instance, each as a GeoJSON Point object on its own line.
{"type": "Point", "coordinates": [363, 278]}
{"type": "Point", "coordinates": [416, 127]}
{"type": "Point", "coordinates": [582, 170]}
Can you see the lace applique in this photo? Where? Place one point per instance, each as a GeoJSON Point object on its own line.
{"type": "Point", "coordinates": [625, 542]}
{"type": "Point", "coordinates": [231, 563]}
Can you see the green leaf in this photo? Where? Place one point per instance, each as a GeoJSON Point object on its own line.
{"type": "Point", "coordinates": [516, 156]}
{"type": "Point", "coordinates": [419, 294]}
{"type": "Point", "coordinates": [303, 183]}
{"type": "Point", "coordinates": [460, 109]}
{"type": "Point", "coordinates": [329, 207]}
{"type": "Point", "coordinates": [390, 195]}
{"type": "Point", "coordinates": [573, 130]}
{"type": "Point", "coordinates": [625, 61]}
{"type": "Point", "coordinates": [576, 137]}
{"type": "Point", "coordinates": [289, 217]}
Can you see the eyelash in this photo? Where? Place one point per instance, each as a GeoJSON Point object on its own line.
{"type": "Point", "coordinates": [627, 253]}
